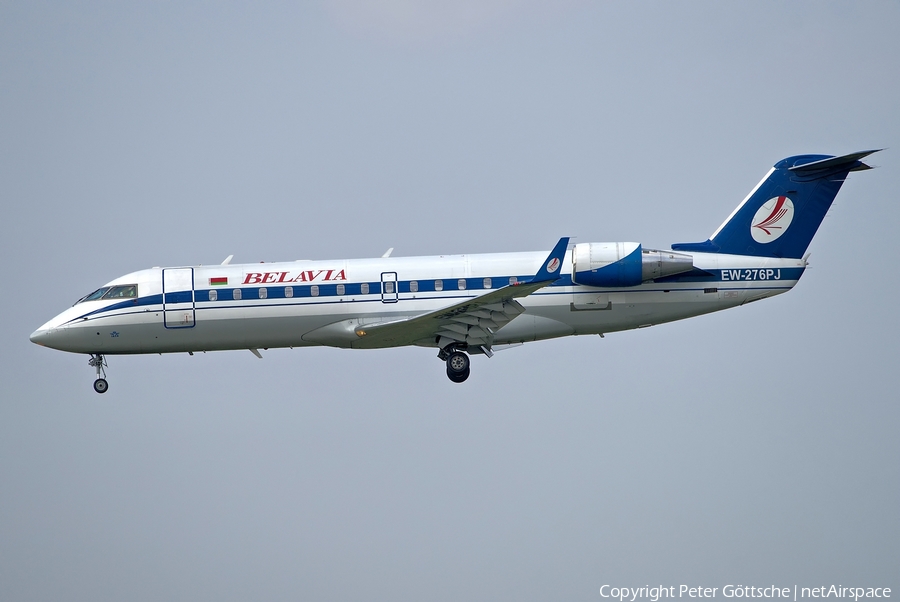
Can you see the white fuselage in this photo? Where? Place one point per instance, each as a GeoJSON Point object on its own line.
{"type": "Point", "coordinates": [307, 303]}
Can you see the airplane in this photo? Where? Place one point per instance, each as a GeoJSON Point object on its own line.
{"type": "Point", "coordinates": [462, 305]}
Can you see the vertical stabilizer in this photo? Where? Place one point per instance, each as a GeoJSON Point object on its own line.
{"type": "Point", "coordinates": [781, 214]}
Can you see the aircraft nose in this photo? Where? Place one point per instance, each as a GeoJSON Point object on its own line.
{"type": "Point", "coordinates": [54, 338]}
{"type": "Point", "coordinates": [40, 336]}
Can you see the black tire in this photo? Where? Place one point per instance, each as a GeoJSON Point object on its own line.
{"type": "Point", "coordinates": [458, 366]}
{"type": "Point", "coordinates": [458, 378]}
{"type": "Point", "coordinates": [101, 386]}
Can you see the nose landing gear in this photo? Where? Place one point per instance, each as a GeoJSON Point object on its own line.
{"type": "Point", "coordinates": [99, 362]}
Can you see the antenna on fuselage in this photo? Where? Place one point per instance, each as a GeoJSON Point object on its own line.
{"type": "Point", "coordinates": [228, 260]}
{"type": "Point", "coordinates": [388, 252]}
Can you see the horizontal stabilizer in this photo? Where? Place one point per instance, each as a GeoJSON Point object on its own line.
{"type": "Point", "coordinates": [837, 162]}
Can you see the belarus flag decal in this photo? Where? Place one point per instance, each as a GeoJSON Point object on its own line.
{"type": "Point", "coordinates": [218, 281]}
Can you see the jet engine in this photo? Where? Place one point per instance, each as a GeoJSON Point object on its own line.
{"type": "Point", "coordinates": [615, 264]}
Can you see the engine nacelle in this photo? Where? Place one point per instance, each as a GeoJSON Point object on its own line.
{"type": "Point", "coordinates": [619, 264]}
{"type": "Point", "coordinates": [607, 264]}
{"type": "Point", "coordinates": [657, 264]}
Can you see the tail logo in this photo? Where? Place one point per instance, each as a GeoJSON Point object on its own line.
{"type": "Point", "coordinates": [553, 265]}
{"type": "Point", "coordinates": [772, 219]}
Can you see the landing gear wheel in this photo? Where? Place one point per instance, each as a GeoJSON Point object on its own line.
{"type": "Point", "coordinates": [98, 362]}
{"type": "Point", "coordinates": [457, 366]}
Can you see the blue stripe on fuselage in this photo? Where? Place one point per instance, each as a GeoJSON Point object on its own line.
{"type": "Point", "coordinates": [476, 285]}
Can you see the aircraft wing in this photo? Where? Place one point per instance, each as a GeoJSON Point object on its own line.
{"type": "Point", "coordinates": [473, 321]}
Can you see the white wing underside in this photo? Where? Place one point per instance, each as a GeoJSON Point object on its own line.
{"type": "Point", "coordinates": [473, 321]}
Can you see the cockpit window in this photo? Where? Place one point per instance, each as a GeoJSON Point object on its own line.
{"type": "Point", "coordinates": [129, 291]}
{"type": "Point", "coordinates": [93, 296]}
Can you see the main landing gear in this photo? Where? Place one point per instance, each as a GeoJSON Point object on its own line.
{"type": "Point", "coordinates": [99, 362]}
{"type": "Point", "coordinates": [457, 364]}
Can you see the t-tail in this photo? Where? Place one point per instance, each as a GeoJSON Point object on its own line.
{"type": "Point", "coordinates": [781, 215]}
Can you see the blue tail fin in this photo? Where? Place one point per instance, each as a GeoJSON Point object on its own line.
{"type": "Point", "coordinates": [781, 215]}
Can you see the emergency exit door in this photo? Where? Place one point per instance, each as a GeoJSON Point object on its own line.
{"type": "Point", "coordinates": [389, 292]}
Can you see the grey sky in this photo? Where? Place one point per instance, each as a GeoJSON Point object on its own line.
{"type": "Point", "coordinates": [754, 446]}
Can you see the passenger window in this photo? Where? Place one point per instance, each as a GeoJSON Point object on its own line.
{"type": "Point", "coordinates": [513, 280]}
{"type": "Point", "coordinates": [389, 287]}
{"type": "Point", "coordinates": [289, 291]}
{"type": "Point", "coordinates": [340, 289]}
{"type": "Point", "coordinates": [487, 283]}
{"type": "Point", "coordinates": [237, 294]}
{"type": "Point", "coordinates": [314, 290]}
{"type": "Point", "coordinates": [414, 286]}
{"type": "Point", "coordinates": [438, 285]}
{"type": "Point", "coordinates": [461, 284]}
{"type": "Point", "coordinates": [213, 295]}
{"type": "Point", "coordinates": [364, 288]}
{"type": "Point", "coordinates": [263, 293]}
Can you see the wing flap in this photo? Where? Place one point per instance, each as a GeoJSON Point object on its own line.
{"type": "Point", "coordinates": [452, 322]}
{"type": "Point", "coordinates": [472, 321]}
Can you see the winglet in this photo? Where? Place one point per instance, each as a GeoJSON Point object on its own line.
{"type": "Point", "coordinates": [550, 269]}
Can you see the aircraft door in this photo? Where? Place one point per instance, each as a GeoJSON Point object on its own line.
{"type": "Point", "coordinates": [178, 298]}
{"type": "Point", "coordinates": [389, 292]}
